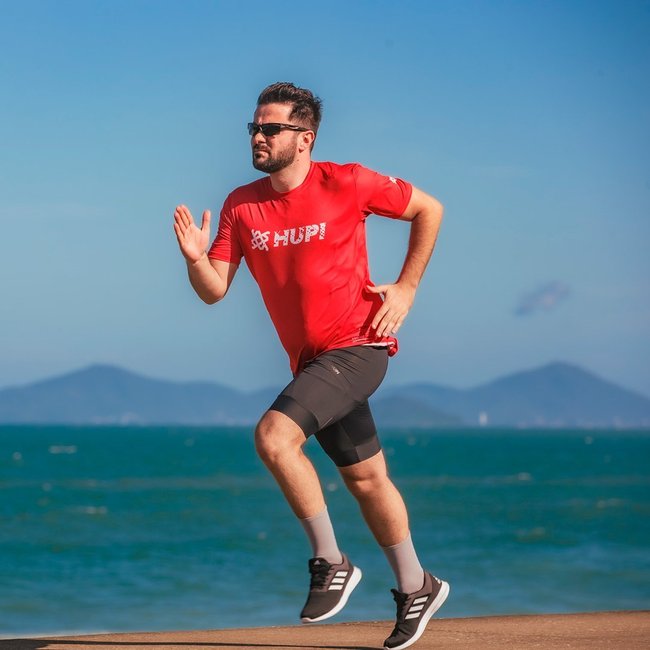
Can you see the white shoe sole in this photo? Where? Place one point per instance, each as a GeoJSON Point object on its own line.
{"type": "Point", "coordinates": [433, 608]}
{"type": "Point", "coordinates": [354, 580]}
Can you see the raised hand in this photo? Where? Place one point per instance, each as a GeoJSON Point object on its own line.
{"type": "Point", "coordinates": [192, 240]}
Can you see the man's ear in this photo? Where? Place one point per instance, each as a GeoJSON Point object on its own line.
{"type": "Point", "coordinates": [305, 140]}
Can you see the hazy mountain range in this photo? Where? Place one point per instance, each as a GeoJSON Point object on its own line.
{"type": "Point", "coordinates": [555, 395]}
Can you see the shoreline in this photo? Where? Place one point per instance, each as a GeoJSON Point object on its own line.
{"type": "Point", "coordinates": [629, 630]}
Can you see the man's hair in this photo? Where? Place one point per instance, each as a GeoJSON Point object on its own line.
{"type": "Point", "coordinates": [306, 108]}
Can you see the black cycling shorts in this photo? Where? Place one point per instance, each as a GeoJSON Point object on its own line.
{"type": "Point", "coordinates": [329, 398]}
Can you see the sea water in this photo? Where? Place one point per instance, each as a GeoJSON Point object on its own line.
{"type": "Point", "coordinates": [123, 529]}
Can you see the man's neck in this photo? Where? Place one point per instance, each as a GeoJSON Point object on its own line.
{"type": "Point", "coordinates": [290, 177]}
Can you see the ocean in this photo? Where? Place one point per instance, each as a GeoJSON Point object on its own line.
{"type": "Point", "coordinates": [121, 529]}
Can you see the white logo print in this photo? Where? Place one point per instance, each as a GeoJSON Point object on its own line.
{"type": "Point", "coordinates": [392, 179]}
{"type": "Point", "coordinates": [259, 239]}
{"type": "Point", "coordinates": [338, 581]}
{"type": "Point", "coordinates": [294, 236]}
{"type": "Point", "coordinates": [416, 607]}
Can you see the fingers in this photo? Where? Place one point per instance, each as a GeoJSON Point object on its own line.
{"type": "Point", "coordinates": [179, 225]}
{"type": "Point", "coordinates": [388, 319]}
{"type": "Point", "coordinates": [184, 221]}
{"type": "Point", "coordinates": [379, 289]}
{"type": "Point", "coordinates": [183, 216]}
{"type": "Point", "coordinates": [205, 224]}
{"type": "Point", "coordinates": [379, 317]}
{"type": "Point", "coordinates": [181, 235]}
{"type": "Point", "coordinates": [393, 311]}
{"type": "Point", "coordinates": [179, 219]}
{"type": "Point", "coordinates": [389, 324]}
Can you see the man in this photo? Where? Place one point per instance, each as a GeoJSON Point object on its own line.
{"type": "Point", "coordinates": [301, 230]}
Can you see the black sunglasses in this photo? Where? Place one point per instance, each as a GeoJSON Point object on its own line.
{"type": "Point", "coordinates": [272, 128]}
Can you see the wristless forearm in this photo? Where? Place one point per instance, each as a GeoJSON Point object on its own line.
{"type": "Point", "coordinates": [205, 280]}
{"type": "Point", "coordinates": [422, 240]}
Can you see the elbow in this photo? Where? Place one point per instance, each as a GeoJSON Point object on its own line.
{"type": "Point", "coordinates": [210, 298]}
{"type": "Point", "coordinates": [430, 212]}
{"type": "Point", "coordinates": [437, 208]}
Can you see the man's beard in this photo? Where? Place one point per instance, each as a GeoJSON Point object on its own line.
{"type": "Point", "coordinates": [275, 163]}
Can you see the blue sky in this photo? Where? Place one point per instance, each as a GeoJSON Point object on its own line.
{"type": "Point", "coordinates": [530, 121]}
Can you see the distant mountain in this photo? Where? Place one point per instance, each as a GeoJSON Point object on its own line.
{"type": "Point", "coordinates": [405, 411]}
{"type": "Point", "coordinates": [102, 394]}
{"type": "Point", "coordinates": [556, 395]}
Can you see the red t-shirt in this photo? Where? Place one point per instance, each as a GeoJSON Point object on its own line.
{"type": "Point", "coordinates": [307, 251]}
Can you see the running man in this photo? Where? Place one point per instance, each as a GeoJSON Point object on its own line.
{"type": "Point", "coordinates": [301, 230]}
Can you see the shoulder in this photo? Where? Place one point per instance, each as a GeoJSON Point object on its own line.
{"type": "Point", "coordinates": [354, 173]}
{"type": "Point", "coordinates": [253, 192]}
{"type": "Point", "coordinates": [338, 176]}
{"type": "Point", "coordinates": [337, 170]}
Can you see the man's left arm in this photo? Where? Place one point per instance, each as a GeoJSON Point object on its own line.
{"type": "Point", "coordinates": [425, 214]}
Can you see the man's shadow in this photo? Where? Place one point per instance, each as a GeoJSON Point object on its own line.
{"type": "Point", "coordinates": [44, 644]}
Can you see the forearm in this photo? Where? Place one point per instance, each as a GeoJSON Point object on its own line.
{"type": "Point", "coordinates": [205, 280]}
{"type": "Point", "coordinates": [425, 214]}
{"type": "Point", "coordinates": [425, 226]}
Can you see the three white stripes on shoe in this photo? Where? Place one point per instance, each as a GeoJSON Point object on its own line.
{"type": "Point", "coordinates": [338, 580]}
{"type": "Point", "coordinates": [416, 608]}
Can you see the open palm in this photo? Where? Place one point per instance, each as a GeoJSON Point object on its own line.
{"type": "Point", "coordinates": [192, 240]}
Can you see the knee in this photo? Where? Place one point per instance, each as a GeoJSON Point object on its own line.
{"type": "Point", "coordinates": [276, 437]}
{"type": "Point", "coordinates": [366, 484]}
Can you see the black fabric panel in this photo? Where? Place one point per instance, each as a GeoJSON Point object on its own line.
{"type": "Point", "coordinates": [299, 414]}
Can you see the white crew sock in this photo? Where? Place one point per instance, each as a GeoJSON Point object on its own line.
{"type": "Point", "coordinates": [321, 537]}
{"type": "Point", "coordinates": [406, 566]}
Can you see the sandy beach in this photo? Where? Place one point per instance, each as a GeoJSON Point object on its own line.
{"type": "Point", "coordinates": [592, 631]}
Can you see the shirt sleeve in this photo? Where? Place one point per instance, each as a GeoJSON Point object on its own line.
{"type": "Point", "coordinates": [226, 246]}
{"type": "Point", "coordinates": [378, 194]}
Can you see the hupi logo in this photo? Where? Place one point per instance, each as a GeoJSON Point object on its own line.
{"type": "Point", "coordinates": [260, 240]}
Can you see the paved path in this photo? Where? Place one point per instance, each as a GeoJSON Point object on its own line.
{"type": "Point", "coordinates": [597, 631]}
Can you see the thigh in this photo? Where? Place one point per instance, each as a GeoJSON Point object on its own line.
{"type": "Point", "coordinates": [351, 439]}
{"type": "Point", "coordinates": [331, 386]}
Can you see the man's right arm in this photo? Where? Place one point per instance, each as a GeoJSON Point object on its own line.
{"type": "Point", "coordinates": [210, 278]}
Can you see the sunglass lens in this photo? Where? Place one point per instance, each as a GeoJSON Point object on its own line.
{"type": "Point", "coordinates": [267, 130]}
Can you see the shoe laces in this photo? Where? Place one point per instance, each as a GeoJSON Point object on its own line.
{"type": "Point", "coordinates": [319, 569]}
{"type": "Point", "coordinates": [401, 600]}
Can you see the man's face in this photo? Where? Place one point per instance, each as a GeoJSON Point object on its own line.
{"type": "Point", "coordinates": [273, 153]}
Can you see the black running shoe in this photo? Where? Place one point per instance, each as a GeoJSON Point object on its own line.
{"type": "Point", "coordinates": [330, 588]}
{"type": "Point", "coordinates": [414, 611]}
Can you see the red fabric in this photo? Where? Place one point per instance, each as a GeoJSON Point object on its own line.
{"type": "Point", "coordinates": [307, 251]}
